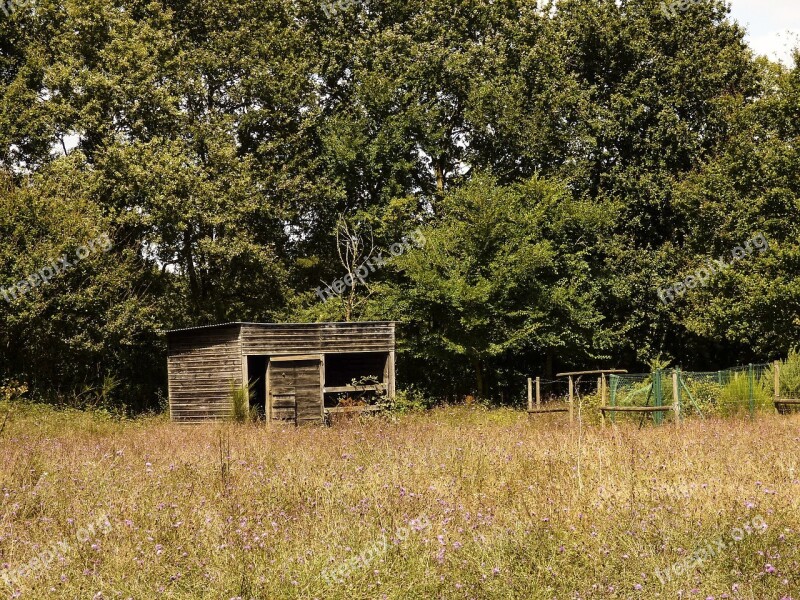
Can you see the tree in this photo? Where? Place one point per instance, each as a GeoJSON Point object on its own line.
{"type": "Point", "coordinates": [502, 276]}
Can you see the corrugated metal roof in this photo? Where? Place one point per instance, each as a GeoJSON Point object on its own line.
{"type": "Point", "coordinates": [238, 323]}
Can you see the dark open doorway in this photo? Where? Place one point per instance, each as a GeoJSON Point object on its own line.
{"type": "Point", "coordinates": [257, 372]}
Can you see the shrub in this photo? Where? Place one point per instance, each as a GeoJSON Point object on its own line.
{"type": "Point", "coordinates": [790, 375]}
{"type": "Point", "coordinates": [734, 396]}
{"type": "Point", "coordinates": [240, 397]}
{"type": "Point", "coordinates": [410, 400]}
{"type": "Point", "coordinates": [12, 390]}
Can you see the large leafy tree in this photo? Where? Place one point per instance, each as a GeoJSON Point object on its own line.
{"type": "Point", "coordinates": [503, 276]}
{"type": "Point", "coordinates": [750, 187]}
{"type": "Point", "coordinates": [87, 323]}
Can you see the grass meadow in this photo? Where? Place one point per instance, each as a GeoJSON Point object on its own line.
{"type": "Point", "coordinates": [453, 503]}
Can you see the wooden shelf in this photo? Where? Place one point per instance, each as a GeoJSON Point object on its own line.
{"type": "Point", "coordinates": [352, 409]}
{"type": "Point", "coordinates": [644, 409]}
{"type": "Point", "coordinates": [355, 388]}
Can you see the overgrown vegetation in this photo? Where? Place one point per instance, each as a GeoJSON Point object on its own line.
{"type": "Point", "coordinates": [518, 507]}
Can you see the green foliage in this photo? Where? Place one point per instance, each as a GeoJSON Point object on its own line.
{"type": "Point", "coordinates": [411, 399]}
{"type": "Point", "coordinates": [790, 375]}
{"type": "Point", "coordinates": [497, 277]}
{"type": "Point", "coordinates": [706, 393]}
{"type": "Point", "coordinates": [11, 391]}
{"type": "Point", "coordinates": [564, 161]}
{"type": "Point", "coordinates": [734, 396]}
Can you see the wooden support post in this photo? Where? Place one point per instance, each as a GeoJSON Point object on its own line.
{"type": "Point", "coordinates": [322, 389]}
{"type": "Point", "coordinates": [776, 371]}
{"type": "Point", "coordinates": [571, 396]}
{"type": "Point", "coordinates": [604, 394]}
{"type": "Point", "coordinates": [530, 394]}
{"type": "Point", "coordinates": [676, 398]}
{"type": "Point", "coordinates": [391, 383]}
{"type": "Point", "coordinates": [538, 393]}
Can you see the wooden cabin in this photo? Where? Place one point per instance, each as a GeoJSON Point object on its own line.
{"type": "Point", "coordinates": [295, 372]}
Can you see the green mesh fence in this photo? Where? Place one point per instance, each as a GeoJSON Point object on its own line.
{"type": "Point", "coordinates": [742, 391]}
{"type": "Point", "coordinates": [639, 390]}
{"type": "Point", "coordinates": [738, 391]}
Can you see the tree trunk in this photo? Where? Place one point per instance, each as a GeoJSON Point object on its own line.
{"type": "Point", "coordinates": [439, 167]}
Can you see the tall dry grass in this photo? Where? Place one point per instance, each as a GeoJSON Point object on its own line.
{"type": "Point", "coordinates": [517, 508]}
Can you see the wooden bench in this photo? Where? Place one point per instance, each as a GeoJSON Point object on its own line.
{"type": "Point", "coordinates": [538, 411]}
{"type": "Point", "coordinates": [636, 409]}
{"type": "Point", "coordinates": [641, 409]}
{"type": "Point", "coordinates": [785, 405]}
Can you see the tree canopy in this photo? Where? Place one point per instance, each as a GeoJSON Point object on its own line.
{"type": "Point", "coordinates": [563, 160]}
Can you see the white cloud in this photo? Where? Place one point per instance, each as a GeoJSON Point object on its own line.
{"type": "Point", "coordinates": [773, 26]}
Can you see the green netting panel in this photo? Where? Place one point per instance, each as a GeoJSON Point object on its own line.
{"type": "Point", "coordinates": [790, 376]}
{"type": "Point", "coordinates": [737, 391]}
{"type": "Point", "coordinates": [641, 389]}
{"type": "Point", "coordinates": [743, 390]}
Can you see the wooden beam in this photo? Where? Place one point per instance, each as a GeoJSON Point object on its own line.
{"type": "Point", "coordinates": [354, 388]}
{"type": "Point", "coordinates": [644, 409]}
{"type": "Point", "coordinates": [547, 410]}
{"type": "Point", "coordinates": [598, 372]}
{"type": "Point", "coordinates": [538, 392]}
{"type": "Point", "coordinates": [391, 390]}
{"type": "Point", "coordinates": [290, 358]}
{"type": "Point", "coordinates": [776, 369]}
{"type": "Point", "coordinates": [601, 385]}
{"type": "Point", "coordinates": [322, 388]}
{"type": "Point", "coordinates": [268, 392]}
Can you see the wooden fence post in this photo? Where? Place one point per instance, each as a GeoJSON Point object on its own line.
{"type": "Point", "coordinates": [603, 390]}
{"type": "Point", "coordinates": [776, 370]}
{"type": "Point", "coordinates": [530, 394]}
{"type": "Point", "coordinates": [538, 394]}
{"type": "Point", "coordinates": [601, 387]}
{"type": "Point", "coordinates": [676, 398]}
{"type": "Point", "coordinates": [571, 395]}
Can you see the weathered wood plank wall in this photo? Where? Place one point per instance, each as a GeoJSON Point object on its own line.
{"type": "Point", "coordinates": [312, 338]}
{"type": "Point", "coordinates": [202, 367]}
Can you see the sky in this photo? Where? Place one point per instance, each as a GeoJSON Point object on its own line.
{"type": "Point", "coordinates": [773, 26]}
